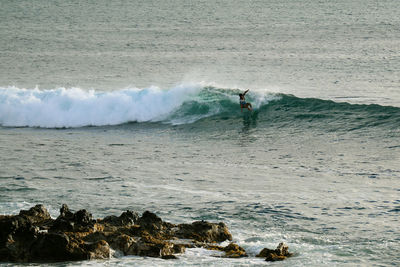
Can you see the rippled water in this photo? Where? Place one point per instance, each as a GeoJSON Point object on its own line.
{"type": "Point", "coordinates": [322, 176]}
{"type": "Point", "coordinates": [332, 196]}
{"type": "Point", "coordinates": [326, 49]}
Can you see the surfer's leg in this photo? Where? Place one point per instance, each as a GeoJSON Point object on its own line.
{"type": "Point", "coordinates": [249, 107]}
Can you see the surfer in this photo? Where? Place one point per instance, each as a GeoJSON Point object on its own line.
{"type": "Point", "coordinates": [243, 103]}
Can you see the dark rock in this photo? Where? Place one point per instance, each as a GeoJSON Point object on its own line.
{"type": "Point", "coordinates": [150, 221]}
{"type": "Point", "coordinates": [157, 249]}
{"type": "Point", "coordinates": [283, 249]}
{"type": "Point", "coordinates": [116, 241]}
{"type": "Point", "coordinates": [68, 221]}
{"type": "Point", "coordinates": [179, 248]}
{"type": "Point", "coordinates": [37, 214]}
{"type": "Point", "coordinates": [234, 251]}
{"type": "Point", "coordinates": [122, 243]}
{"type": "Point", "coordinates": [275, 257]}
{"type": "Point", "coordinates": [32, 236]}
{"type": "Point", "coordinates": [98, 250]}
{"type": "Point", "coordinates": [231, 251]}
{"type": "Point", "coordinates": [278, 254]}
{"type": "Point", "coordinates": [52, 247]}
{"type": "Point", "coordinates": [265, 252]}
{"type": "Point", "coordinates": [149, 218]}
{"type": "Point", "coordinates": [62, 225]}
{"type": "Point", "coordinates": [127, 218]}
{"type": "Point", "coordinates": [18, 232]}
{"type": "Point", "coordinates": [66, 213]}
{"type": "Point", "coordinates": [169, 257]}
{"type": "Point", "coordinates": [203, 231]}
{"type": "Point", "coordinates": [84, 218]}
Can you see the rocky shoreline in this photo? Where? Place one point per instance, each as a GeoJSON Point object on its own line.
{"type": "Point", "coordinates": [33, 236]}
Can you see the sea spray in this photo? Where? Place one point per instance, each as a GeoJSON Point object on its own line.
{"type": "Point", "coordinates": [183, 104]}
{"type": "Point", "coordinates": [75, 107]}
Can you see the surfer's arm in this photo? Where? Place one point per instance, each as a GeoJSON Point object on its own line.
{"type": "Point", "coordinates": [245, 92]}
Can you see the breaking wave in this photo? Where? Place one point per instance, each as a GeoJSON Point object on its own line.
{"type": "Point", "coordinates": [183, 104]}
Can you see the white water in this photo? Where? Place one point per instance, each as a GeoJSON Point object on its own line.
{"type": "Point", "coordinates": [331, 194]}
{"type": "Point", "coordinates": [76, 107]}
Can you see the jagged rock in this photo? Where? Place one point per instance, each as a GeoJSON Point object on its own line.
{"type": "Point", "coordinates": [52, 247]}
{"type": "Point", "coordinates": [61, 247]}
{"type": "Point", "coordinates": [32, 236]}
{"type": "Point", "coordinates": [283, 249]}
{"type": "Point", "coordinates": [278, 254]}
{"type": "Point", "coordinates": [117, 241]}
{"type": "Point", "coordinates": [150, 222]}
{"type": "Point", "coordinates": [149, 218]}
{"type": "Point", "coordinates": [158, 249]}
{"type": "Point", "coordinates": [18, 232]}
{"type": "Point", "coordinates": [234, 251]}
{"type": "Point", "coordinates": [179, 248]}
{"type": "Point", "coordinates": [68, 221]}
{"type": "Point", "coordinates": [203, 231]}
{"type": "Point", "coordinates": [61, 225]}
{"type": "Point", "coordinates": [65, 212]}
{"type": "Point", "coordinates": [231, 251]}
{"type": "Point", "coordinates": [98, 250]}
{"type": "Point", "coordinates": [265, 252]}
{"type": "Point", "coordinates": [169, 257]}
{"type": "Point", "coordinates": [83, 218]}
{"type": "Point", "coordinates": [127, 218]}
{"type": "Point", "coordinates": [122, 243]}
{"type": "Point", "coordinates": [37, 214]}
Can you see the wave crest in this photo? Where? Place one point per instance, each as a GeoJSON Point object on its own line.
{"type": "Point", "coordinates": [75, 107]}
{"type": "Point", "coordinates": [183, 104]}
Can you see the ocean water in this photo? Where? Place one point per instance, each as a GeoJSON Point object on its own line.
{"type": "Point", "coordinates": [115, 105]}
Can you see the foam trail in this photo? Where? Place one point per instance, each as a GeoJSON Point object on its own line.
{"type": "Point", "coordinates": [75, 107]}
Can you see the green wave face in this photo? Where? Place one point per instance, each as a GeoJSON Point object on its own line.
{"type": "Point", "coordinates": [206, 107]}
{"type": "Point", "coordinates": [222, 105]}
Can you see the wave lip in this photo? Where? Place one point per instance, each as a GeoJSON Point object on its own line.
{"type": "Point", "coordinates": [74, 107]}
{"type": "Point", "coordinates": [183, 104]}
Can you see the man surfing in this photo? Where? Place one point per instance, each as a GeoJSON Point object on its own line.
{"type": "Point", "coordinates": [243, 103]}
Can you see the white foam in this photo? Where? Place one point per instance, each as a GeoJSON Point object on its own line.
{"type": "Point", "coordinates": [75, 107]}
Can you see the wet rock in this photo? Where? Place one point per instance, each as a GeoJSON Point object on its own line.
{"type": "Point", "coordinates": [231, 251]}
{"type": "Point", "coordinates": [117, 241]}
{"type": "Point", "coordinates": [98, 250]}
{"type": "Point", "coordinates": [127, 218]}
{"type": "Point", "coordinates": [149, 218]}
{"type": "Point", "coordinates": [68, 221]}
{"type": "Point", "coordinates": [179, 248]}
{"type": "Point", "coordinates": [83, 218]}
{"type": "Point", "coordinates": [283, 249]}
{"type": "Point", "coordinates": [18, 232]}
{"type": "Point", "coordinates": [278, 254]}
{"type": "Point", "coordinates": [156, 249]}
{"type": "Point", "coordinates": [66, 213]}
{"type": "Point", "coordinates": [52, 247]}
{"type": "Point", "coordinates": [122, 243]}
{"type": "Point", "coordinates": [169, 257]}
{"type": "Point", "coordinates": [150, 222]}
{"type": "Point", "coordinates": [234, 251]}
{"type": "Point", "coordinates": [203, 231]}
{"type": "Point", "coordinates": [37, 214]}
{"type": "Point", "coordinates": [33, 236]}
{"type": "Point", "coordinates": [61, 225]}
